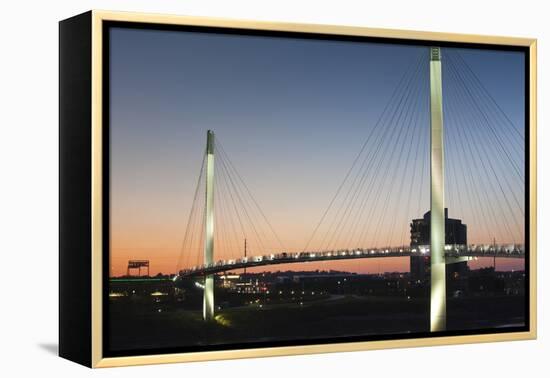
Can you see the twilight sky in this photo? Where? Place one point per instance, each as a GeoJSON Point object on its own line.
{"type": "Point", "coordinates": [292, 115]}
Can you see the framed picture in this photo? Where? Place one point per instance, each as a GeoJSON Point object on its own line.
{"type": "Point", "coordinates": [235, 189]}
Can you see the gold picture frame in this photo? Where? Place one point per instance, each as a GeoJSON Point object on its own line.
{"type": "Point", "coordinates": [93, 25]}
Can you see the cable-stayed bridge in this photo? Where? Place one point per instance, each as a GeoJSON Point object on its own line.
{"type": "Point", "coordinates": [442, 141]}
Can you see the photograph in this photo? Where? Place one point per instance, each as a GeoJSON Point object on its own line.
{"type": "Point", "coordinates": [266, 188]}
{"type": "Point", "coordinates": [277, 189]}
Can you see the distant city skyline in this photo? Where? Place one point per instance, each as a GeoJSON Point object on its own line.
{"type": "Point", "coordinates": [292, 114]}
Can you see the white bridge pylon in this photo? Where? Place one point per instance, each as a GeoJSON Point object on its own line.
{"type": "Point", "coordinates": [208, 302]}
{"type": "Point", "coordinates": [438, 293]}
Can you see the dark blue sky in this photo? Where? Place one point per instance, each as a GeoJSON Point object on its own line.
{"type": "Point", "coordinates": [292, 114]}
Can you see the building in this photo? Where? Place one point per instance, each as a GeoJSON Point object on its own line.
{"type": "Point", "coordinates": [455, 233]}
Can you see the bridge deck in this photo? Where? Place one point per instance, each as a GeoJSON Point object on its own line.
{"type": "Point", "coordinates": [451, 251]}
